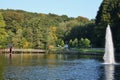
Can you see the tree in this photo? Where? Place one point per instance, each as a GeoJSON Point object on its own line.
{"type": "Point", "coordinates": [62, 43]}
{"type": "Point", "coordinates": [3, 34]}
{"type": "Point", "coordinates": [109, 13]}
{"type": "Point", "coordinates": [84, 43]}
{"type": "Point", "coordinates": [70, 43]}
{"type": "Point", "coordinates": [18, 40]}
{"type": "Point", "coordinates": [75, 42]}
{"type": "Point", "coordinates": [87, 42]}
{"type": "Point", "coordinates": [37, 30]}
{"type": "Point", "coordinates": [28, 34]}
{"type": "Point", "coordinates": [53, 32]}
{"type": "Point", "coordinates": [2, 22]}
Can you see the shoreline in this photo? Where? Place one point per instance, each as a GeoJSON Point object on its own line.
{"type": "Point", "coordinates": [22, 51]}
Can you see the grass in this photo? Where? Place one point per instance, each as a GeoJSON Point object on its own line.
{"type": "Point", "coordinates": [91, 50]}
{"type": "Point", "coordinates": [81, 50]}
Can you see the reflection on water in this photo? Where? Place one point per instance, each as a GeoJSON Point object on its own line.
{"type": "Point", "coordinates": [109, 72]}
{"type": "Point", "coordinates": [56, 67]}
{"type": "Point", "coordinates": [2, 66]}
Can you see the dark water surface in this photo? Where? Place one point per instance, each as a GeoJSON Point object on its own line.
{"type": "Point", "coordinates": [56, 67]}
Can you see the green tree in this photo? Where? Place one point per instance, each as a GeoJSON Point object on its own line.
{"type": "Point", "coordinates": [62, 43]}
{"type": "Point", "coordinates": [84, 43]}
{"type": "Point", "coordinates": [75, 42]}
{"type": "Point", "coordinates": [70, 43]}
{"type": "Point", "coordinates": [38, 30]}
{"type": "Point", "coordinates": [18, 39]}
{"type": "Point", "coordinates": [28, 34]}
{"type": "Point", "coordinates": [87, 42]}
{"type": "Point", "coordinates": [3, 34]}
{"type": "Point", "coordinates": [109, 13]}
{"type": "Point", "coordinates": [2, 22]}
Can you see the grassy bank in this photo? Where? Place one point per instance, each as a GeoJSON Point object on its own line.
{"type": "Point", "coordinates": [77, 50]}
{"type": "Point", "coordinates": [91, 50]}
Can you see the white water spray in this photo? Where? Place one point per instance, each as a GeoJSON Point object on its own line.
{"type": "Point", "coordinates": [109, 50]}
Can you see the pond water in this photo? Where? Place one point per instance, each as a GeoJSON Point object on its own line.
{"type": "Point", "coordinates": [56, 67]}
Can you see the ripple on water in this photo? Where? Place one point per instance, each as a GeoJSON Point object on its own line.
{"type": "Point", "coordinates": [68, 70]}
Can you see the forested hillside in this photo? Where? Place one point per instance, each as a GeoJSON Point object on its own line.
{"type": "Point", "coordinates": [25, 29]}
{"type": "Point", "coordinates": [37, 30]}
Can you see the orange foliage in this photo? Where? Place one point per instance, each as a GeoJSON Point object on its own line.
{"type": "Point", "coordinates": [51, 46]}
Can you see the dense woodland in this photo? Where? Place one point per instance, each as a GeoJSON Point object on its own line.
{"type": "Point", "coordinates": [109, 13]}
{"type": "Point", "coordinates": [36, 30]}
{"type": "Point", "coordinates": [25, 29]}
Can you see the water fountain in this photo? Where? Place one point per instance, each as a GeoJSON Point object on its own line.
{"type": "Point", "coordinates": [109, 49]}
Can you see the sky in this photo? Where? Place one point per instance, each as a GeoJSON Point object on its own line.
{"type": "Point", "coordinates": [71, 8]}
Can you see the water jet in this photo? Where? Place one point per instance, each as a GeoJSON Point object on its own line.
{"type": "Point", "coordinates": [109, 49]}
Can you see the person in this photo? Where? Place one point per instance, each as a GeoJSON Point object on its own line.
{"type": "Point", "coordinates": [10, 52]}
{"type": "Point", "coordinates": [10, 49]}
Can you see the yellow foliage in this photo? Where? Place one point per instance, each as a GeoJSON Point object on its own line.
{"type": "Point", "coordinates": [51, 46]}
{"type": "Point", "coordinates": [26, 44]}
{"type": "Point", "coordinates": [53, 32]}
{"type": "Point", "coordinates": [53, 29]}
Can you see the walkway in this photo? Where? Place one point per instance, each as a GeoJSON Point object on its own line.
{"type": "Point", "coordinates": [23, 51]}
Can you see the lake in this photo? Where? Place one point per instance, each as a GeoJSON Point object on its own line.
{"type": "Point", "coordinates": [56, 67]}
